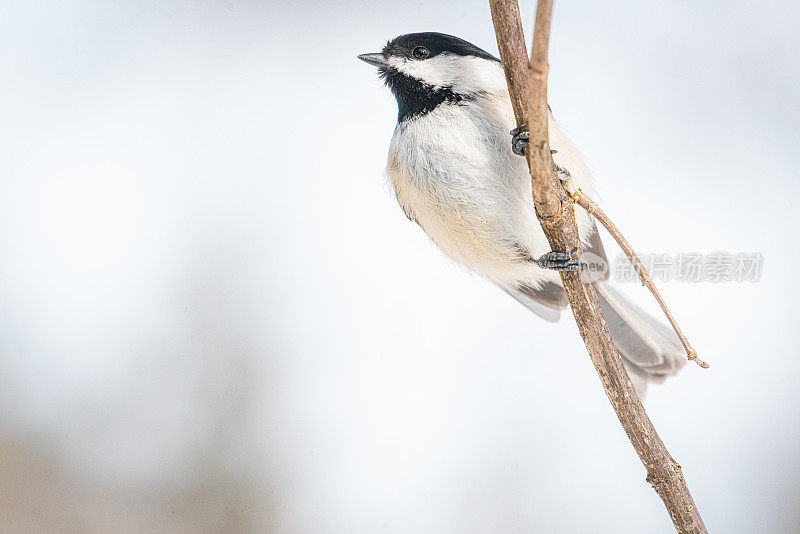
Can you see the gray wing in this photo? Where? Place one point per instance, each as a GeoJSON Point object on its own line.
{"type": "Point", "coordinates": [546, 301]}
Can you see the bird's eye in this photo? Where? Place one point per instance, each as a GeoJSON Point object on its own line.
{"type": "Point", "coordinates": [420, 52]}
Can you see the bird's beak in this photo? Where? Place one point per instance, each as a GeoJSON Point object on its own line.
{"type": "Point", "coordinates": [373, 59]}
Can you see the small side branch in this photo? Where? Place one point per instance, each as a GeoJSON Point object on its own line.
{"type": "Point", "coordinates": [593, 209]}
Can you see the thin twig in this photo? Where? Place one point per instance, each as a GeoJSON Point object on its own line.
{"type": "Point", "coordinates": [593, 209]}
{"type": "Point", "coordinates": [527, 85]}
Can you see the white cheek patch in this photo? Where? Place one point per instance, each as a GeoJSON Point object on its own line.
{"type": "Point", "coordinates": [465, 74]}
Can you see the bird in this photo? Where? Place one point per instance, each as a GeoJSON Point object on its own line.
{"type": "Point", "coordinates": [456, 167]}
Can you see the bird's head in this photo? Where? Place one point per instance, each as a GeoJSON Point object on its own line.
{"type": "Point", "coordinates": [426, 69]}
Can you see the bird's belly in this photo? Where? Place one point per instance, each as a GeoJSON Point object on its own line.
{"type": "Point", "coordinates": [474, 230]}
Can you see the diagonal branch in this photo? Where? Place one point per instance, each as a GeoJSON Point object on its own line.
{"type": "Point", "coordinates": [527, 83]}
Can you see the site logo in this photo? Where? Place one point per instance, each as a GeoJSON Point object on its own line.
{"type": "Point", "coordinates": [593, 268]}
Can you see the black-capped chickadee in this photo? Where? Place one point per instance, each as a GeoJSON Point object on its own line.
{"type": "Point", "coordinates": [458, 174]}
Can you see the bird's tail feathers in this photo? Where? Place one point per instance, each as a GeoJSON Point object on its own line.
{"type": "Point", "coordinates": [649, 350]}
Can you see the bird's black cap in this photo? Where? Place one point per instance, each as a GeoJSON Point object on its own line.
{"type": "Point", "coordinates": [436, 43]}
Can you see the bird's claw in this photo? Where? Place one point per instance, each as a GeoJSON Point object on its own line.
{"type": "Point", "coordinates": [558, 261]}
{"type": "Point", "coordinates": [519, 139]}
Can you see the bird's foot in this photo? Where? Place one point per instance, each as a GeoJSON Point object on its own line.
{"type": "Point", "coordinates": [519, 139]}
{"type": "Point", "coordinates": [558, 261]}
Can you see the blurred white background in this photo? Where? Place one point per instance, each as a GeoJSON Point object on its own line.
{"type": "Point", "coordinates": [215, 318]}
